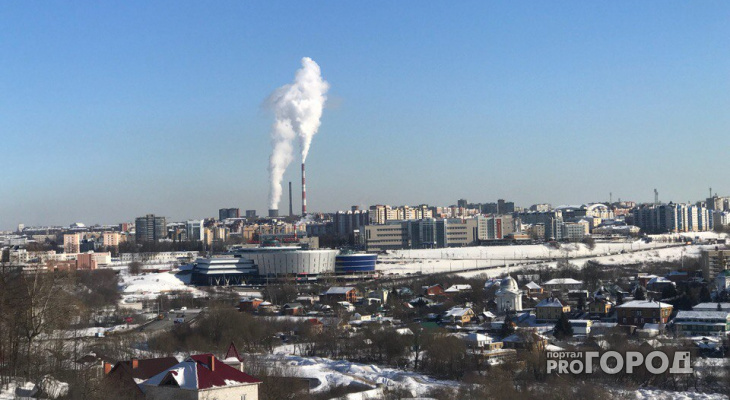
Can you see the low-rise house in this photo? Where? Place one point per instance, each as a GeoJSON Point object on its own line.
{"type": "Point", "coordinates": [201, 376]}
{"type": "Point", "coordinates": [533, 289]}
{"type": "Point", "coordinates": [640, 312]}
{"type": "Point", "coordinates": [659, 283]}
{"type": "Point", "coordinates": [645, 278]}
{"type": "Point", "coordinates": [292, 309]}
{"type": "Point", "coordinates": [250, 304]}
{"type": "Point", "coordinates": [526, 340]}
{"type": "Point", "coordinates": [459, 315]}
{"type": "Point", "coordinates": [126, 374]}
{"type": "Point", "coordinates": [379, 294]}
{"type": "Point", "coordinates": [550, 309]}
{"type": "Point", "coordinates": [308, 300]}
{"type": "Point", "coordinates": [339, 293]}
{"type": "Point", "coordinates": [702, 323]}
{"type": "Point", "coordinates": [346, 305]}
{"type": "Point", "coordinates": [600, 307]}
{"type": "Point", "coordinates": [678, 276]}
{"type": "Point", "coordinates": [433, 290]}
{"type": "Point", "coordinates": [562, 285]}
{"type": "Point", "coordinates": [480, 341]}
{"type": "Point", "coordinates": [453, 289]}
{"type": "Point", "coordinates": [581, 327]}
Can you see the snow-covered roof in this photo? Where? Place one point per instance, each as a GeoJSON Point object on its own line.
{"type": "Point", "coordinates": [202, 371]}
{"type": "Point", "coordinates": [458, 288]}
{"type": "Point", "coordinates": [644, 304]}
{"type": "Point", "coordinates": [659, 279]}
{"type": "Point", "coordinates": [477, 337]}
{"type": "Point", "coordinates": [457, 312]}
{"type": "Point", "coordinates": [533, 285]}
{"type": "Point", "coordinates": [339, 290]}
{"type": "Point", "coordinates": [711, 307]}
{"type": "Point", "coordinates": [550, 302]}
{"type": "Point", "coordinates": [563, 281]}
{"type": "Point", "coordinates": [701, 315]}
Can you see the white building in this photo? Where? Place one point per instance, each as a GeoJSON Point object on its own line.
{"type": "Point", "coordinates": [509, 296]}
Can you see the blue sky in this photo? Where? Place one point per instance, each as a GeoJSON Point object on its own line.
{"type": "Point", "coordinates": [112, 110]}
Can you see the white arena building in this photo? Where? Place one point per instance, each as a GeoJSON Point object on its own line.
{"type": "Point", "coordinates": [289, 261]}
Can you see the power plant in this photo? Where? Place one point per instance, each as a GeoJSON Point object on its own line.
{"type": "Point", "coordinates": [297, 110]}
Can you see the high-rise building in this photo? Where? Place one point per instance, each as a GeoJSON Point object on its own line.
{"type": "Point", "coordinates": [461, 203]}
{"type": "Point", "coordinates": [505, 207]}
{"type": "Point", "coordinates": [194, 230]}
{"type": "Point", "coordinates": [72, 243]}
{"type": "Point", "coordinates": [150, 228]}
{"type": "Point", "coordinates": [110, 239]}
{"type": "Point", "coordinates": [251, 214]}
{"type": "Point", "coordinates": [225, 213]}
{"type": "Point", "coordinates": [672, 217]}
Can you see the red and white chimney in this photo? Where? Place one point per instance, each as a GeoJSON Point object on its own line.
{"type": "Point", "coordinates": [304, 193]}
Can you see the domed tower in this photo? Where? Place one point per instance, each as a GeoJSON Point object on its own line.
{"type": "Point", "coordinates": [509, 296]}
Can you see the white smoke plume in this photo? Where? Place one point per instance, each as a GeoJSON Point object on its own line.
{"type": "Point", "coordinates": [297, 108]}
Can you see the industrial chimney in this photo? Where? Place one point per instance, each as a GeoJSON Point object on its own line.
{"type": "Point", "coordinates": [291, 210]}
{"type": "Point", "coordinates": [304, 193]}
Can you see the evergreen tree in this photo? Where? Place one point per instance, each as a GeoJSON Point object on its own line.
{"type": "Point", "coordinates": [639, 293]}
{"type": "Point", "coordinates": [508, 327]}
{"type": "Point", "coordinates": [705, 296]}
{"type": "Point", "coordinates": [562, 328]}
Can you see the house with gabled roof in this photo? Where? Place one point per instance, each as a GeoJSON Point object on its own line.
{"type": "Point", "coordinates": [339, 293]}
{"type": "Point", "coordinates": [550, 309]}
{"type": "Point", "coordinates": [640, 312]}
{"type": "Point", "coordinates": [127, 374]}
{"type": "Point", "coordinates": [459, 315]}
{"type": "Point", "coordinates": [533, 289]}
{"type": "Point", "coordinates": [201, 376]}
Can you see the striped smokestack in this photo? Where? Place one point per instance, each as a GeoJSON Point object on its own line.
{"type": "Point", "coordinates": [304, 193]}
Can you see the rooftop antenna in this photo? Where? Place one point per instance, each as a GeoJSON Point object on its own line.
{"type": "Point", "coordinates": [656, 197]}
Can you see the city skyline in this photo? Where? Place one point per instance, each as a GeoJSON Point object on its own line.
{"type": "Point", "coordinates": [117, 111]}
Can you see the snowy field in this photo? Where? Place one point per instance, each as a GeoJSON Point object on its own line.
{"type": "Point", "coordinates": [462, 260]}
{"type": "Point", "coordinates": [648, 394]}
{"type": "Point", "coordinates": [335, 373]}
{"type": "Point", "coordinates": [149, 286]}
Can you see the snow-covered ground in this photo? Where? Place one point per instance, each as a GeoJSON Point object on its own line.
{"type": "Point", "coordinates": [649, 394]}
{"type": "Point", "coordinates": [431, 261]}
{"type": "Point", "coordinates": [149, 286]}
{"type": "Point", "coordinates": [334, 373]}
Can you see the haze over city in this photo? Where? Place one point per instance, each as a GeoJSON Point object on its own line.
{"type": "Point", "coordinates": [111, 111]}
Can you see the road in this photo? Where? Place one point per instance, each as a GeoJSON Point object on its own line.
{"type": "Point", "coordinates": [168, 322]}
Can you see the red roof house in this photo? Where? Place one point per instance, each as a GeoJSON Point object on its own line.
{"type": "Point", "coordinates": [201, 376]}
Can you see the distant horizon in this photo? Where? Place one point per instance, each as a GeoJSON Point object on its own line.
{"type": "Point", "coordinates": [263, 213]}
{"type": "Point", "coordinates": [116, 110]}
